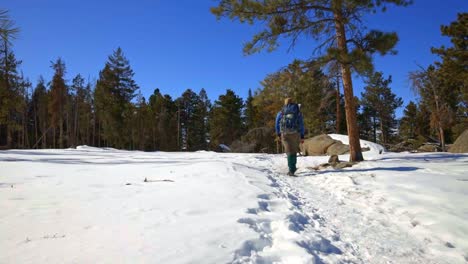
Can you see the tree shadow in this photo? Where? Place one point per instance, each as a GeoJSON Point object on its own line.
{"type": "Point", "coordinates": [433, 157]}
{"type": "Point", "coordinates": [345, 170]}
{"type": "Point", "coordinates": [401, 168]}
{"type": "Point", "coordinates": [73, 156]}
{"type": "Point", "coordinates": [98, 161]}
{"type": "Point", "coordinates": [29, 152]}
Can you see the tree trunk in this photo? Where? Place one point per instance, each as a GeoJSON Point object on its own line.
{"type": "Point", "coordinates": [384, 136]}
{"type": "Point", "coordinates": [26, 131]}
{"type": "Point", "coordinates": [374, 129]}
{"type": "Point", "coordinates": [338, 110]}
{"type": "Point", "coordinates": [99, 134]}
{"type": "Point", "coordinates": [154, 137]}
{"type": "Point", "coordinates": [44, 135]}
{"type": "Point", "coordinates": [350, 109]}
{"type": "Point", "coordinates": [76, 137]}
{"type": "Point", "coordinates": [87, 142]}
{"type": "Point", "coordinates": [442, 138]}
{"type": "Point", "coordinates": [61, 133]}
{"type": "Point", "coordinates": [439, 122]}
{"type": "Point", "coordinates": [54, 139]}
{"type": "Point", "coordinates": [8, 89]}
{"type": "Point", "coordinates": [36, 126]}
{"type": "Point", "coordinates": [9, 136]}
{"type": "Point", "coordinates": [94, 129]}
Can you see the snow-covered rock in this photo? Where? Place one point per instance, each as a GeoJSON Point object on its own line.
{"type": "Point", "coordinates": [373, 147]}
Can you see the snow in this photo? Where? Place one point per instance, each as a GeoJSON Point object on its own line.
{"type": "Point", "coordinates": [373, 147]}
{"type": "Point", "coordinates": [92, 205]}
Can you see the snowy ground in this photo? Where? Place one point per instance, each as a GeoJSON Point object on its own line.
{"type": "Point", "coordinates": [91, 205]}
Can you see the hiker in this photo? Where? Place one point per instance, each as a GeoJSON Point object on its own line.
{"type": "Point", "coordinates": [290, 129]}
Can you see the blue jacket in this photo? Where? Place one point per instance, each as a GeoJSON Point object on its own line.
{"type": "Point", "coordinates": [278, 121]}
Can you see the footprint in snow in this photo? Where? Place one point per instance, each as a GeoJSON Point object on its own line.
{"type": "Point", "coordinates": [298, 222]}
{"type": "Point", "coordinates": [247, 253]}
{"type": "Point", "coordinates": [321, 245]}
{"type": "Point", "coordinates": [262, 226]}
{"type": "Point", "coordinates": [449, 245]}
{"type": "Point", "coordinates": [264, 196]}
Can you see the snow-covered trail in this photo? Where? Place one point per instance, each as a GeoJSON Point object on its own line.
{"type": "Point", "coordinates": [393, 208]}
{"type": "Point", "coordinates": [91, 205]}
{"type": "Point", "coordinates": [334, 220]}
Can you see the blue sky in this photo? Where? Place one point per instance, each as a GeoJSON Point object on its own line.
{"type": "Point", "coordinates": [175, 45]}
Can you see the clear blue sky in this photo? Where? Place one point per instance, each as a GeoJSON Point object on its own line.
{"type": "Point", "coordinates": [175, 45]}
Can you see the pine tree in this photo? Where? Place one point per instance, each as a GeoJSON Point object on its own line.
{"type": "Point", "coordinates": [193, 120]}
{"type": "Point", "coordinates": [408, 124]}
{"type": "Point", "coordinates": [77, 85]}
{"type": "Point", "coordinates": [250, 112]}
{"type": "Point", "coordinates": [269, 99]}
{"type": "Point", "coordinates": [169, 124]}
{"type": "Point", "coordinates": [200, 127]}
{"type": "Point", "coordinates": [23, 119]}
{"type": "Point", "coordinates": [226, 119]}
{"type": "Point", "coordinates": [9, 94]}
{"type": "Point", "coordinates": [438, 98]}
{"type": "Point", "coordinates": [307, 85]}
{"type": "Point", "coordinates": [453, 68]}
{"type": "Point", "coordinates": [164, 122]}
{"type": "Point", "coordinates": [58, 101]}
{"type": "Point", "coordinates": [114, 91]}
{"type": "Point", "coordinates": [367, 123]}
{"type": "Point", "coordinates": [81, 114]}
{"type": "Point", "coordinates": [381, 104]}
{"type": "Point", "coordinates": [337, 23]}
{"type": "Point", "coordinates": [187, 105]}
{"type": "Point", "coordinates": [158, 133]}
{"type": "Point", "coordinates": [335, 75]}
{"type": "Point", "coordinates": [139, 125]}
{"type": "Point", "coordinates": [13, 93]}
{"type": "Point", "coordinates": [8, 31]}
{"type": "Point", "coordinates": [423, 123]}
{"type": "Point", "coordinates": [39, 103]}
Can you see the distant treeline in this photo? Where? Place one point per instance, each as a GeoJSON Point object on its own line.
{"type": "Point", "coordinates": [112, 112]}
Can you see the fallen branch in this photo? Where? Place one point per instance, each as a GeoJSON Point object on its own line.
{"type": "Point", "coordinates": [333, 162]}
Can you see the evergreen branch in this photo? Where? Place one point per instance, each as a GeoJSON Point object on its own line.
{"type": "Point", "coordinates": [268, 37]}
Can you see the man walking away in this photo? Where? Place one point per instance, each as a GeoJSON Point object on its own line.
{"type": "Point", "coordinates": [290, 128]}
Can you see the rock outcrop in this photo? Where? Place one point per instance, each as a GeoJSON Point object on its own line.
{"type": "Point", "coordinates": [461, 144]}
{"type": "Point", "coordinates": [323, 145]}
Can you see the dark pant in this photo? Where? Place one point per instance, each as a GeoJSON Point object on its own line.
{"type": "Point", "coordinates": [291, 147]}
{"type": "Point", "coordinates": [292, 159]}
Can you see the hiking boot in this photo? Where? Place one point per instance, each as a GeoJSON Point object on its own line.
{"type": "Point", "coordinates": [290, 173]}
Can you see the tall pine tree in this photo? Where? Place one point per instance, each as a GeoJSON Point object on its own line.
{"type": "Point", "coordinates": [58, 102]}
{"type": "Point", "coordinates": [336, 23]}
{"type": "Point", "coordinates": [9, 92]}
{"type": "Point", "coordinates": [187, 105]}
{"type": "Point", "coordinates": [438, 98]}
{"type": "Point", "coordinates": [453, 68]}
{"type": "Point", "coordinates": [226, 119]}
{"type": "Point", "coordinates": [408, 123]}
{"type": "Point", "coordinates": [381, 103]}
{"type": "Point", "coordinates": [39, 103]}
{"type": "Point", "coordinates": [250, 112]}
{"type": "Point", "coordinates": [114, 91]}
{"type": "Point", "coordinates": [200, 121]}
